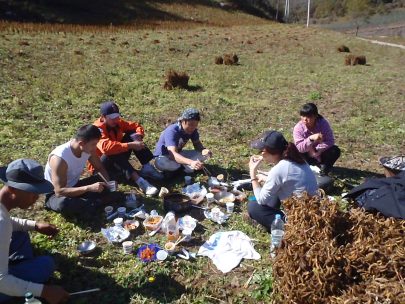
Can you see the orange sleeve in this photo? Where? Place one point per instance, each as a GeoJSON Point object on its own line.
{"type": "Point", "coordinates": [129, 125]}
{"type": "Point", "coordinates": [110, 147]}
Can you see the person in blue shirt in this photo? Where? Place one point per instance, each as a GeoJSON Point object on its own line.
{"type": "Point", "coordinates": [169, 152]}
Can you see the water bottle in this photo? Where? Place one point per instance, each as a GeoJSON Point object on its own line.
{"type": "Point", "coordinates": [29, 298]}
{"type": "Point", "coordinates": [277, 232]}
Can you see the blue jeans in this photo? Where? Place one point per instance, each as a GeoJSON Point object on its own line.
{"type": "Point", "coordinates": [23, 265]}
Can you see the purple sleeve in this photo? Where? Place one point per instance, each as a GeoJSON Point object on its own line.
{"type": "Point", "coordinates": [303, 143]}
{"type": "Point", "coordinates": [328, 138]}
{"type": "Point", "coordinates": [195, 136]}
{"type": "Point", "coordinates": [171, 138]}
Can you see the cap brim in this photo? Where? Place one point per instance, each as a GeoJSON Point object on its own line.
{"type": "Point", "coordinates": [113, 115]}
{"type": "Point", "coordinates": [257, 144]}
{"type": "Point", "coordinates": [40, 188]}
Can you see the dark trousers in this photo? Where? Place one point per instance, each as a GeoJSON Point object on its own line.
{"type": "Point", "coordinates": [263, 214]}
{"type": "Point", "coordinates": [86, 203]}
{"type": "Point", "coordinates": [22, 263]}
{"type": "Point", "coordinates": [328, 157]}
{"type": "Point", "coordinates": [121, 162]}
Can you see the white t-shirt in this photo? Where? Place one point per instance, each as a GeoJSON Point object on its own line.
{"type": "Point", "coordinates": [75, 164]}
{"type": "Point", "coordinates": [10, 285]}
{"type": "Point", "coordinates": [284, 179]}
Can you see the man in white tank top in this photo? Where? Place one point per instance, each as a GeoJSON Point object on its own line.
{"type": "Point", "coordinates": [65, 164]}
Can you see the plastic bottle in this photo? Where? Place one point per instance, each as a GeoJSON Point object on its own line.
{"type": "Point", "coordinates": [277, 232]}
{"type": "Point", "coordinates": [172, 227]}
{"type": "Point", "coordinates": [29, 298]}
{"type": "Point", "coordinates": [166, 219]}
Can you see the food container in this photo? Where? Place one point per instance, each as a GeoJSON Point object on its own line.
{"type": "Point", "coordinates": [152, 225]}
{"type": "Point", "coordinates": [393, 165]}
{"type": "Point", "coordinates": [217, 190]}
{"type": "Point", "coordinates": [130, 225]}
{"type": "Point", "coordinates": [154, 247]}
{"type": "Point", "coordinates": [179, 203]}
{"type": "Point", "coordinates": [239, 195]}
{"type": "Point", "coordinates": [224, 197]}
{"type": "Point", "coordinates": [87, 247]}
{"type": "Point", "coordinates": [196, 197]}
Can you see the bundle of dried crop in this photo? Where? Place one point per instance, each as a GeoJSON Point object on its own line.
{"type": "Point", "coordinates": [343, 48]}
{"type": "Point", "coordinates": [174, 80]}
{"type": "Point", "coordinates": [308, 267]}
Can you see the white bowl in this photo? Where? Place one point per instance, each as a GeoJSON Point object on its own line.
{"type": "Point", "coordinates": [161, 255]}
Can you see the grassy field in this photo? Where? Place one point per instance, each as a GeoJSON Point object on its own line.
{"type": "Point", "coordinates": [51, 83]}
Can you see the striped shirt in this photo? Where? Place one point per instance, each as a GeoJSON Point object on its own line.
{"type": "Point", "coordinates": [302, 133]}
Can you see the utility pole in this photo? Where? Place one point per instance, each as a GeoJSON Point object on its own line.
{"type": "Point", "coordinates": [309, 7]}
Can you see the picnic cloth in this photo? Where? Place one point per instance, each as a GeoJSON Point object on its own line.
{"type": "Point", "coordinates": [227, 249]}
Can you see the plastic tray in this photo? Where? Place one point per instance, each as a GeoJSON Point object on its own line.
{"type": "Point", "coordinates": [154, 247]}
{"type": "Point", "coordinates": [152, 227]}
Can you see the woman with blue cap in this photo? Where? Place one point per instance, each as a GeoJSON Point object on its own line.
{"type": "Point", "coordinates": [290, 175]}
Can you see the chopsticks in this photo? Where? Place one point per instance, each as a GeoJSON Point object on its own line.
{"type": "Point", "coordinates": [180, 240]}
{"type": "Point", "coordinates": [99, 174]}
{"type": "Point", "coordinates": [207, 172]}
{"type": "Point", "coordinates": [84, 291]}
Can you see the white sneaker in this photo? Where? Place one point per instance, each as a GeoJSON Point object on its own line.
{"type": "Point", "coordinates": [149, 171]}
{"type": "Point", "coordinates": [147, 188]}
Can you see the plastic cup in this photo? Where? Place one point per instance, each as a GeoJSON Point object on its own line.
{"type": "Point", "coordinates": [161, 255]}
{"type": "Point", "coordinates": [215, 213]}
{"type": "Point", "coordinates": [121, 211]}
{"type": "Point", "coordinates": [136, 137]}
{"type": "Point", "coordinates": [108, 210]}
{"type": "Point", "coordinates": [163, 192]}
{"type": "Point", "coordinates": [229, 207]}
{"type": "Point", "coordinates": [170, 247]}
{"type": "Point", "coordinates": [187, 179]}
{"type": "Point", "coordinates": [210, 197]}
{"type": "Point", "coordinates": [206, 154]}
{"type": "Point", "coordinates": [187, 233]}
{"type": "Point", "coordinates": [118, 222]}
{"type": "Point", "coordinates": [111, 185]}
{"type": "Point", "coordinates": [127, 246]}
{"type": "Point", "coordinates": [187, 221]}
{"type": "Point", "coordinates": [256, 158]}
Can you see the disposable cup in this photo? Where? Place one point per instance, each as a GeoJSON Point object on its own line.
{"type": "Point", "coordinates": [111, 185]}
{"type": "Point", "coordinates": [187, 179]}
{"type": "Point", "coordinates": [170, 247]}
{"type": "Point", "coordinates": [118, 222]}
{"type": "Point", "coordinates": [187, 233]}
{"type": "Point", "coordinates": [161, 255]}
{"type": "Point", "coordinates": [206, 154]}
{"type": "Point", "coordinates": [210, 197]}
{"type": "Point", "coordinates": [215, 213]}
{"type": "Point", "coordinates": [187, 221]}
{"type": "Point", "coordinates": [256, 158]}
{"type": "Point", "coordinates": [127, 247]}
{"type": "Point", "coordinates": [136, 137]}
{"type": "Point", "coordinates": [229, 207]}
{"type": "Point", "coordinates": [163, 192]}
{"type": "Point", "coordinates": [108, 210]}
{"type": "Point", "coordinates": [121, 211]}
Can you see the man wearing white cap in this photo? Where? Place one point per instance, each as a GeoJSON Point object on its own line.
{"type": "Point", "coordinates": [20, 272]}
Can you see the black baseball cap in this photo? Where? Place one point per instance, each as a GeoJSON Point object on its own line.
{"type": "Point", "coordinates": [27, 175]}
{"type": "Point", "coordinates": [110, 109]}
{"type": "Point", "coordinates": [271, 139]}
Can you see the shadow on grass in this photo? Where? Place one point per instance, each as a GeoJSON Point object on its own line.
{"type": "Point", "coordinates": [194, 88]}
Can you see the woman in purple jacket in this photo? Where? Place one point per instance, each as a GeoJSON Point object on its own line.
{"type": "Point", "coordinates": [314, 139]}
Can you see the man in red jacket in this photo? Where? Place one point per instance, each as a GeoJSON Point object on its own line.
{"type": "Point", "coordinates": [118, 140]}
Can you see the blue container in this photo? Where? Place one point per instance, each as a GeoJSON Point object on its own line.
{"type": "Point", "coordinates": [252, 199]}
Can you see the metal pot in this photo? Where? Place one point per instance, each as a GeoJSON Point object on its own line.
{"type": "Point", "coordinates": [176, 202]}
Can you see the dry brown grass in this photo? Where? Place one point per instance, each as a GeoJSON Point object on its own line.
{"type": "Point", "coordinates": [104, 51]}
{"type": "Point", "coordinates": [23, 42]}
{"type": "Point", "coordinates": [219, 60]}
{"type": "Point", "coordinates": [155, 41]}
{"type": "Point", "coordinates": [248, 42]}
{"type": "Point", "coordinates": [78, 53]}
{"type": "Point", "coordinates": [124, 43]}
{"type": "Point", "coordinates": [135, 51]}
{"type": "Point", "coordinates": [343, 49]}
{"type": "Point", "coordinates": [355, 60]}
{"type": "Point", "coordinates": [174, 80]}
